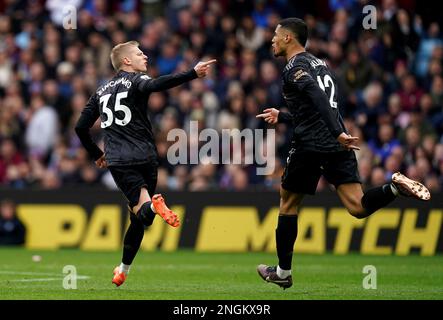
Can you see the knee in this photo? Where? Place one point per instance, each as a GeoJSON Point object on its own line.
{"type": "Point", "coordinates": [146, 215]}
{"type": "Point", "coordinates": [289, 202]}
{"type": "Point", "coordinates": [136, 221]}
{"type": "Point", "coordinates": [357, 212]}
{"type": "Point", "coordinates": [355, 208]}
{"type": "Point", "coordinates": [147, 221]}
{"type": "Point", "coordinates": [288, 207]}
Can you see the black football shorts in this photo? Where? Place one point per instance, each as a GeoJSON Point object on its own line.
{"type": "Point", "coordinates": [304, 169]}
{"type": "Point", "coordinates": [130, 179]}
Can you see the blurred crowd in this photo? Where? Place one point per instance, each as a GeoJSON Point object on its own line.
{"type": "Point", "coordinates": [390, 83]}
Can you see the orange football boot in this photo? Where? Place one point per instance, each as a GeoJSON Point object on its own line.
{"type": "Point", "coordinates": [163, 211]}
{"type": "Point", "coordinates": [119, 277]}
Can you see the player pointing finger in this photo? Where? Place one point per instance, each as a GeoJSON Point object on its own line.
{"type": "Point", "coordinates": [202, 68]}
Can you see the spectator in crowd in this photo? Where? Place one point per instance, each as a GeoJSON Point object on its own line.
{"type": "Point", "coordinates": [428, 42]}
{"type": "Point", "coordinates": [369, 107]}
{"type": "Point", "coordinates": [249, 35]}
{"type": "Point", "coordinates": [383, 145]}
{"type": "Point", "coordinates": [42, 129]}
{"type": "Point", "coordinates": [409, 93]}
{"type": "Point", "coordinates": [393, 74]}
{"type": "Point", "coordinates": [13, 168]}
{"type": "Point", "coordinates": [12, 230]}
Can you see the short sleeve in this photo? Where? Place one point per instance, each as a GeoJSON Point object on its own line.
{"type": "Point", "coordinates": [299, 75]}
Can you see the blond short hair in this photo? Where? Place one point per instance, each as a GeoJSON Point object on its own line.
{"type": "Point", "coordinates": [118, 52]}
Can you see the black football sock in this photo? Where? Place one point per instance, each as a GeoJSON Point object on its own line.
{"type": "Point", "coordinates": [145, 214]}
{"type": "Point", "coordinates": [133, 239]}
{"type": "Point", "coordinates": [377, 198]}
{"type": "Point", "coordinates": [285, 236]}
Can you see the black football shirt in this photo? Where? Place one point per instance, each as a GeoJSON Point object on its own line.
{"type": "Point", "coordinates": [121, 104]}
{"type": "Point", "coordinates": [310, 92]}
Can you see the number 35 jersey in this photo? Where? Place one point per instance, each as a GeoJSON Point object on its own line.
{"type": "Point", "coordinates": [122, 105]}
{"type": "Point", "coordinates": [310, 93]}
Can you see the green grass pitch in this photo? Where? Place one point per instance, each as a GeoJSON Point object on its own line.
{"type": "Point", "coordinates": [186, 275]}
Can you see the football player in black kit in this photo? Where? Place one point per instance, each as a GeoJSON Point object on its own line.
{"type": "Point", "coordinates": [130, 153]}
{"type": "Point", "coordinates": [320, 146]}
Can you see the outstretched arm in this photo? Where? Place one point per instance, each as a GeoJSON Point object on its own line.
{"type": "Point", "coordinates": [165, 82]}
{"type": "Point", "coordinates": [172, 80]}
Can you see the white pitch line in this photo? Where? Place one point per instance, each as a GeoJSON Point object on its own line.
{"type": "Point", "coordinates": [29, 273]}
{"type": "Point", "coordinates": [47, 279]}
{"type": "Point", "coordinates": [38, 274]}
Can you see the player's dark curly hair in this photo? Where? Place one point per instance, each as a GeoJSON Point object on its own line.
{"type": "Point", "coordinates": [298, 27]}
